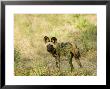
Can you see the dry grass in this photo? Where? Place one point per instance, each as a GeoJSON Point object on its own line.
{"type": "Point", "coordinates": [30, 55]}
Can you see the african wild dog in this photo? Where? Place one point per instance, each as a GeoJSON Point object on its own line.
{"type": "Point", "coordinates": [66, 49]}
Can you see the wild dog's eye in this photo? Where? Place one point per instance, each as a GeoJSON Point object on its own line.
{"type": "Point", "coordinates": [48, 40]}
{"type": "Point", "coordinates": [52, 41]}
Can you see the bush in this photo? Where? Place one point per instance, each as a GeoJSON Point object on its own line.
{"type": "Point", "coordinates": [88, 34]}
{"type": "Point", "coordinates": [88, 37]}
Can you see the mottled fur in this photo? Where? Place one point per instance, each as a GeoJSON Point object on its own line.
{"type": "Point", "coordinates": [62, 49]}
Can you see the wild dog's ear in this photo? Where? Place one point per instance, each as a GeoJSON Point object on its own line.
{"type": "Point", "coordinates": [46, 39]}
{"type": "Point", "coordinates": [54, 40]}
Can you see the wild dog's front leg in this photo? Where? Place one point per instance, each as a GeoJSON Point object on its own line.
{"type": "Point", "coordinates": [57, 59]}
{"type": "Point", "coordinates": [58, 62]}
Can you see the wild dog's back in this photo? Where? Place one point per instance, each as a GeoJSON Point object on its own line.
{"type": "Point", "coordinates": [64, 48]}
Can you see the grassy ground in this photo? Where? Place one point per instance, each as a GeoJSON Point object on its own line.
{"type": "Point", "coordinates": [30, 55]}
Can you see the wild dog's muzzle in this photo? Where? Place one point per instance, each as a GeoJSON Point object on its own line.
{"type": "Point", "coordinates": [50, 48]}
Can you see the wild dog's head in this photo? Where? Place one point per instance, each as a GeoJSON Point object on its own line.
{"type": "Point", "coordinates": [50, 43]}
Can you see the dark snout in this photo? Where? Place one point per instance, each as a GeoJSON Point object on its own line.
{"type": "Point", "coordinates": [50, 48]}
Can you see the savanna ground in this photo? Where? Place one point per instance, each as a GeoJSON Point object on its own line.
{"type": "Point", "coordinates": [30, 55]}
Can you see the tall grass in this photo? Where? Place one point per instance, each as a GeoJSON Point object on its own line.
{"type": "Point", "coordinates": [30, 55]}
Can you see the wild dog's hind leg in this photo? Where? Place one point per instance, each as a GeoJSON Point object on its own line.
{"type": "Point", "coordinates": [77, 56]}
{"type": "Point", "coordinates": [78, 62]}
